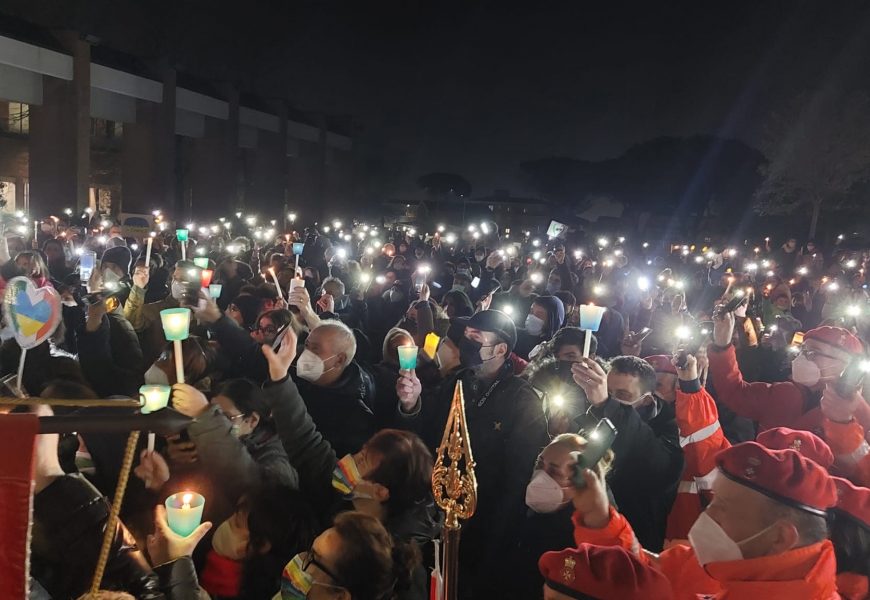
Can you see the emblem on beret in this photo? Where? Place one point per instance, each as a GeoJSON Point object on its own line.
{"type": "Point", "coordinates": [568, 569]}
{"type": "Point", "coordinates": [796, 445]}
{"type": "Point", "coordinates": [749, 471]}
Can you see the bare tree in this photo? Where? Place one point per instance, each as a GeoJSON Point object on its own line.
{"type": "Point", "coordinates": [818, 149]}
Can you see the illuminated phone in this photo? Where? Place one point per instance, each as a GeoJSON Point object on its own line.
{"type": "Point", "coordinates": [600, 440]}
{"type": "Point", "coordinates": [87, 264]}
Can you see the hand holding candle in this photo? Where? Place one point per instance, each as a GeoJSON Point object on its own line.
{"type": "Point", "coordinates": [407, 357]}
{"type": "Point", "coordinates": [176, 328]}
{"type": "Point", "coordinates": [590, 321]}
{"type": "Point", "coordinates": [153, 397]}
{"type": "Point", "coordinates": [166, 544]}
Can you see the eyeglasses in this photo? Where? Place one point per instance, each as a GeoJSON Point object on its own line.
{"type": "Point", "coordinates": [311, 559]}
{"type": "Point", "coordinates": [815, 354]}
{"type": "Point", "coordinates": [268, 329]}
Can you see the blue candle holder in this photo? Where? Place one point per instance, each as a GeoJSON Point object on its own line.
{"type": "Point", "coordinates": [184, 512]}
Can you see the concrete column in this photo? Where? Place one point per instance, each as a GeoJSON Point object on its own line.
{"type": "Point", "coordinates": [60, 137]}
{"type": "Point", "coordinates": [169, 191]}
{"type": "Point", "coordinates": [230, 173]}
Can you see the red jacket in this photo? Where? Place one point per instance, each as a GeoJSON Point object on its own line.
{"type": "Point", "coordinates": [701, 438]}
{"type": "Point", "coordinates": [783, 404]}
{"type": "Point", "coordinates": [851, 451]}
{"type": "Point", "coordinates": [807, 573]}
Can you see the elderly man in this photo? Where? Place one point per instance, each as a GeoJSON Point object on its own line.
{"type": "Point", "coordinates": [338, 392]}
{"type": "Point", "coordinates": [764, 534]}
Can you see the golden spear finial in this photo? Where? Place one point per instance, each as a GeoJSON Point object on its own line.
{"type": "Point", "coordinates": [454, 485]}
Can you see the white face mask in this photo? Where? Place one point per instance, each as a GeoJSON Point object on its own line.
{"type": "Point", "coordinates": [804, 371]}
{"type": "Point", "coordinates": [310, 366]}
{"type": "Point", "coordinates": [534, 325]}
{"type": "Point", "coordinates": [544, 494]}
{"type": "Point", "coordinates": [229, 542]}
{"type": "Point", "coordinates": [712, 544]}
{"type": "Point", "coordinates": [156, 376]}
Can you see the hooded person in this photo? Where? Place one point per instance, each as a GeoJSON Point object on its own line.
{"type": "Point", "coordinates": [545, 318]}
{"type": "Point", "coordinates": [823, 356]}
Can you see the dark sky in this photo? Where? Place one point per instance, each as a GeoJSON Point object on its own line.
{"type": "Point", "coordinates": [476, 87]}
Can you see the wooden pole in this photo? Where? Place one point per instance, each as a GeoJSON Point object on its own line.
{"type": "Point", "coordinates": [179, 361]}
{"type": "Point", "coordinates": [121, 402]}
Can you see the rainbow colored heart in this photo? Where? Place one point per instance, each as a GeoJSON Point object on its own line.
{"type": "Point", "coordinates": [34, 313]}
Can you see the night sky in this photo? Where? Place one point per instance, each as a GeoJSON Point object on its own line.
{"type": "Point", "coordinates": [477, 87]}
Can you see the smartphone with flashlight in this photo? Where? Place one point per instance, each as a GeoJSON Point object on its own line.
{"type": "Point", "coordinates": [279, 337]}
{"type": "Point", "coordinates": [87, 264]}
{"type": "Point", "coordinates": [732, 305]}
{"type": "Point", "coordinates": [852, 377]}
{"type": "Point", "coordinates": [639, 336]}
{"type": "Point", "coordinates": [599, 440]}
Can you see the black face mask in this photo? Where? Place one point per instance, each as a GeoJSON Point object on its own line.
{"type": "Point", "coordinates": [469, 353]}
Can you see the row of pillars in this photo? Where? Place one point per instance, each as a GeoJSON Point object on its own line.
{"type": "Point", "coordinates": [156, 171]}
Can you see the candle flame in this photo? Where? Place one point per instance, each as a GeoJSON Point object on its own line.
{"type": "Point", "coordinates": [186, 498]}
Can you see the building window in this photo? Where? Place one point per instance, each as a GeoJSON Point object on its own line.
{"type": "Point", "coordinates": [15, 118]}
{"type": "Point", "coordinates": [105, 129]}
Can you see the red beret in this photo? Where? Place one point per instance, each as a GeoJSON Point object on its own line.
{"type": "Point", "coordinates": [661, 363]}
{"type": "Point", "coordinates": [837, 337]}
{"type": "Point", "coordinates": [602, 572]}
{"type": "Point", "coordinates": [852, 500]}
{"type": "Point", "coordinates": [808, 444]}
{"type": "Point", "coordinates": [783, 475]}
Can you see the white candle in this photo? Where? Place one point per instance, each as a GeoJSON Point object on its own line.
{"type": "Point", "coordinates": [148, 251]}
{"type": "Point", "coordinates": [183, 250]}
{"type": "Point", "coordinates": [277, 285]}
{"type": "Point", "coordinates": [35, 229]}
{"type": "Point", "coordinates": [179, 361]}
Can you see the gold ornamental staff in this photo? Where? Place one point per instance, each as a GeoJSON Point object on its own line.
{"type": "Point", "coordinates": [454, 486]}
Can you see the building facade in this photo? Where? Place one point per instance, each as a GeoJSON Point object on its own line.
{"type": "Point", "coordinates": [80, 128]}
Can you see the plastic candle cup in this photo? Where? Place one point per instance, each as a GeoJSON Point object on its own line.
{"type": "Point", "coordinates": [184, 512]}
{"type": "Point", "coordinates": [296, 282]}
{"type": "Point", "coordinates": [590, 316]}
{"type": "Point", "coordinates": [214, 290]}
{"type": "Point", "coordinates": [181, 234]}
{"type": "Point", "coordinates": [430, 346]}
{"type": "Point", "coordinates": [298, 247]}
{"type": "Point", "coordinates": [201, 262]}
{"type": "Point", "coordinates": [176, 323]}
{"type": "Point", "coordinates": [206, 277]}
{"type": "Point", "coordinates": [154, 397]}
{"type": "Point", "coordinates": [408, 357]}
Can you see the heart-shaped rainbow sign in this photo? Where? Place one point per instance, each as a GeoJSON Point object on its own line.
{"type": "Point", "coordinates": [34, 313]}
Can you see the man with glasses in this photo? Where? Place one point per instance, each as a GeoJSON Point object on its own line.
{"type": "Point", "coordinates": [824, 354]}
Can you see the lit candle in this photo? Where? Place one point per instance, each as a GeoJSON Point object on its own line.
{"type": "Point", "coordinates": [176, 328]}
{"type": "Point", "coordinates": [182, 236]}
{"type": "Point", "coordinates": [430, 346]}
{"type": "Point", "coordinates": [184, 512]}
{"type": "Point", "coordinates": [201, 262]}
{"type": "Point", "coordinates": [214, 290]}
{"type": "Point", "coordinates": [407, 357]}
{"type": "Point", "coordinates": [148, 245]}
{"type": "Point", "coordinates": [153, 397]}
{"type": "Point", "coordinates": [590, 321]}
{"type": "Point", "coordinates": [206, 277]}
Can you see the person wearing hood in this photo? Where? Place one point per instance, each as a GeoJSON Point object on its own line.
{"type": "Point", "coordinates": [339, 392]}
{"type": "Point", "coordinates": [244, 310]}
{"type": "Point", "coordinates": [545, 317]}
{"type": "Point", "coordinates": [145, 318]}
{"type": "Point", "coordinates": [387, 476]}
{"type": "Point", "coordinates": [457, 304]}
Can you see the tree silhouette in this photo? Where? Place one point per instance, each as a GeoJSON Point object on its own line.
{"type": "Point", "coordinates": [817, 153]}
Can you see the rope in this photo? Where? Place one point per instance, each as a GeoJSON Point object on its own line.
{"type": "Point", "coordinates": [111, 524]}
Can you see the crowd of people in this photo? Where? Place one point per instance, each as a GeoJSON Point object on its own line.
{"type": "Point", "coordinates": [739, 466]}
